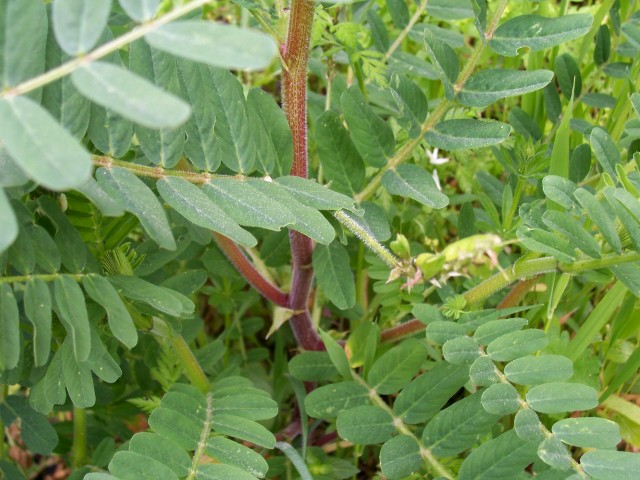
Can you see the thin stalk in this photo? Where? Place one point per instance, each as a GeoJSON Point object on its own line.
{"type": "Point", "coordinates": [79, 447]}
{"type": "Point", "coordinates": [202, 443]}
{"type": "Point", "coordinates": [295, 54]}
{"type": "Point", "coordinates": [403, 34]}
{"type": "Point", "coordinates": [158, 172]}
{"type": "Point", "coordinates": [368, 239]}
{"type": "Point", "coordinates": [102, 51]}
{"type": "Point", "coordinates": [46, 277]}
{"type": "Point", "coordinates": [267, 289]}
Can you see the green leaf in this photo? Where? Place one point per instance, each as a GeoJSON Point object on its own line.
{"type": "Point", "coordinates": [442, 331]}
{"type": "Point", "coordinates": [538, 33]}
{"type": "Point", "coordinates": [414, 182]}
{"type": "Point", "coordinates": [372, 136]}
{"type": "Point", "coordinates": [37, 307]}
{"type": "Point", "coordinates": [560, 190]}
{"type": "Point", "coordinates": [450, 9]}
{"type": "Point", "coordinates": [635, 101]}
{"type": "Point", "coordinates": [336, 354]}
{"type": "Point", "coordinates": [605, 150]}
{"type": "Point", "coordinates": [78, 24]}
{"type": "Point", "coordinates": [488, 332]}
{"type": "Point", "coordinates": [312, 367]}
{"type": "Point", "coordinates": [308, 221]}
{"type": "Point", "coordinates": [444, 59]}
{"type": "Point", "coordinates": [501, 399]}
{"type": "Point", "coordinates": [607, 464]}
{"type": "Point", "coordinates": [489, 86]}
{"type": "Point", "coordinates": [23, 55]}
{"type": "Point", "coordinates": [331, 267]}
{"type": "Point", "coordinates": [274, 145]}
{"type": "Point", "coordinates": [631, 32]}
{"type": "Point", "coordinates": [428, 393]}
{"type": "Point", "coordinates": [94, 192]}
{"type": "Point", "coordinates": [365, 424]}
{"type": "Point", "coordinates": [587, 432]}
{"type": "Point", "coordinates": [517, 344]}
{"type": "Point", "coordinates": [73, 315]}
{"type": "Point", "coordinates": [246, 205]}
{"type": "Point", "coordinates": [312, 194]}
{"type": "Point", "coordinates": [569, 226]}
{"type": "Point", "coordinates": [601, 216]}
{"type": "Point", "coordinates": [134, 196]}
{"type": "Point", "coordinates": [165, 451]}
{"type": "Point", "coordinates": [568, 75]}
{"type": "Point", "coordinates": [162, 147]}
{"type": "Point", "coordinates": [221, 471]}
{"type": "Point", "coordinates": [232, 47]}
{"type": "Point", "coordinates": [539, 240]}
{"type": "Point", "coordinates": [535, 370]}
{"type": "Point", "coordinates": [109, 132]}
{"type": "Point", "coordinates": [458, 427]}
{"type": "Point", "coordinates": [129, 466]}
{"type": "Point", "coordinates": [101, 362]}
{"type": "Point", "coordinates": [483, 372]}
{"type": "Point", "coordinates": [120, 322]}
{"type": "Point", "coordinates": [558, 397]}
{"type": "Point", "coordinates": [35, 430]}
{"type": "Point", "coordinates": [465, 133]}
{"type": "Point", "coordinates": [411, 102]}
{"type": "Point", "coordinates": [253, 407]}
{"type": "Point", "coordinates": [395, 369]}
{"type": "Point", "coordinates": [329, 400]}
{"type": "Point", "coordinates": [243, 429]}
{"type": "Point", "coordinates": [140, 10]}
{"type": "Point", "coordinates": [46, 152]}
{"type": "Point", "coordinates": [400, 457]}
{"type": "Point", "coordinates": [602, 49]}
{"type": "Point", "coordinates": [233, 140]}
{"type": "Point", "coordinates": [228, 451]}
{"type": "Point", "coordinates": [129, 95]}
{"type": "Point", "coordinates": [527, 425]}
{"type": "Point", "coordinates": [54, 385]}
{"type": "Point", "coordinates": [9, 232]}
{"type": "Point", "coordinates": [338, 155]}
{"type": "Point", "coordinates": [502, 458]}
{"type": "Point", "coordinates": [193, 204]}
{"type": "Point", "coordinates": [461, 350]}
{"type": "Point", "coordinates": [77, 378]}
{"type": "Point", "coordinates": [160, 298]}
{"type": "Point", "coordinates": [552, 452]}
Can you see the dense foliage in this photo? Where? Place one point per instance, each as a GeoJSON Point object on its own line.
{"type": "Point", "coordinates": [424, 266]}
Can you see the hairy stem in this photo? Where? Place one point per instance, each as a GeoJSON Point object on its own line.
{"type": "Point", "coordinates": [295, 54]}
{"type": "Point", "coordinates": [102, 51]}
{"type": "Point", "coordinates": [250, 273]}
{"type": "Point", "coordinates": [202, 443]}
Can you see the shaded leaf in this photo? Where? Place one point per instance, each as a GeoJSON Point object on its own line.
{"type": "Point", "coordinates": [414, 182]}
{"type": "Point", "coordinates": [331, 267]}
{"type": "Point", "coordinates": [489, 86]}
{"type": "Point", "coordinates": [467, 133]}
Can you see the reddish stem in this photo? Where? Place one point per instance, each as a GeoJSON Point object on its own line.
{"type": "Point", "coordinates": [295, 54]}
{"type": "Point", "coordinates": [249, 272]}
{"type": "Point", "coordinates": [398, 332]}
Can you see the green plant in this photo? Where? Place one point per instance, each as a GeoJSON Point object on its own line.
{"type": "Point", "coordinates": [199, 280]}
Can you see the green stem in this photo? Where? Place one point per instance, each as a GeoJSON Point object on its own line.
{"type": "Point", "coordinates": [514, 204]}
{"type": "Point", "coordinates": [368, 239]}
{"type": "Point", "coordinates": [46, 277]}
{"type": "Point", "coordinates": [79, 448]}
{"type": "Point", "coordinates": [102, 51]}
{"type": "Point", "coordinates": [398, 41]}
{"type": "Point", "coordinates": [202, 443]}
{"type": "Point", "coordinates": [192, 369]}
{"type": "Point", "coordinates": [402, 428]}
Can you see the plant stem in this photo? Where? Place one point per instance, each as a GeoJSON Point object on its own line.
{"type": "Point", "coordinates": [398, 41]}
{"type": "Point", "coordinates": [109, 47]}
{"type": "Point", "coordinates": [79, 448]}
{"type": "Point", "coordinates": [294, 99]}
{"type": "Point", "coordinates": [204, 436]}
{"type": "Point", "coordinates": [192, 369]}
{"type": "Point", "coordinates": [4, 389]}
{"type": "Point", "coordinates": [250, 273]}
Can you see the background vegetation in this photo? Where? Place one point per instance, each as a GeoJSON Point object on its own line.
{"type": "Point", "coordinates": [425, 265]}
